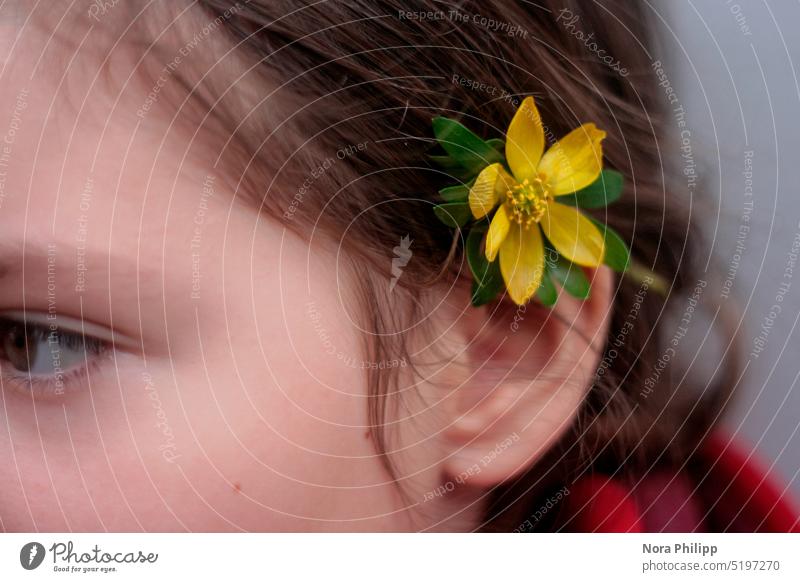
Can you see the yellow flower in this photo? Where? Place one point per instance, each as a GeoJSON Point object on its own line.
{"type": "Point", "coordinates": [528, 201]}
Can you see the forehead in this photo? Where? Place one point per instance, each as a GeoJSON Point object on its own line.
{"type": "Point", "coordinates": [72, 129]}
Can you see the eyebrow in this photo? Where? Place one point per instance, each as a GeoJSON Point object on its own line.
{"type": "Point", "coordinates": [20, 257]}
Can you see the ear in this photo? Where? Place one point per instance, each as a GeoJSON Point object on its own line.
{"type": "Point", "coordinates": [529, 369]}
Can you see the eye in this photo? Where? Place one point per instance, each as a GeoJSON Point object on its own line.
{"type": "Point", "coordinates": [45, 357]}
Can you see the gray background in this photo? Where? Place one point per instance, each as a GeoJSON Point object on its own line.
{"type": "Point", "coordinates": [736, 69]}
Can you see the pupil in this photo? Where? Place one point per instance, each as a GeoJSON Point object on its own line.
{"type": "Point", "coordinates": [20, 348]}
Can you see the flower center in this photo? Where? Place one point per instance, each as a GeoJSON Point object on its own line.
{"type": "Point", "coordinates": [527, 201]}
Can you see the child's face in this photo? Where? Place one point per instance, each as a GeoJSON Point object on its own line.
{"type": "Point", "coordinates": [223, 383]}
{"type": "Point", "coordinates": [234, 398]}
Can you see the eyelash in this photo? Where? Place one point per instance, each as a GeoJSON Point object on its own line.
{"type": "Point", "coordinates": [62, 381]}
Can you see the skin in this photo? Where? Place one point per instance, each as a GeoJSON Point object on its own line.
{"type": "Point", "coordinates": [224, 401]}
{"type": "Point", "coordinates": [220, 406]}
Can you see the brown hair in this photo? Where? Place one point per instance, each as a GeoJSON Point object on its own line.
{"type": "Point", "coordinates": [375, 72]}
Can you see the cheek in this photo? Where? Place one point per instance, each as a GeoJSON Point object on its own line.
{"type": "Point", "coordinates": [271, 396]}
{"type": "Point", "coordinates": [256, 419]}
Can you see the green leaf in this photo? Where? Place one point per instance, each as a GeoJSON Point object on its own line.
{"type": "Point", "coordinates": [571, 277]}
{"type": "Point", "coordinates": [476, 258]}
{"type": "Point", "coordinates": [497, 144]}
{"type": "Point", "coordinates": [458, 193]}
{"type": "Point", "coordinates": [455, 169]}
{"type": "Point", "coordinates": [547, 293]}
{"type": "Point", "coordinates": [487, 281]}
{"type": "Point", "coordinates": [493, 285]}
{"type": "Point", "coordinates": [453, 214]}
{"type": "Point", "coordinates": [599, 194]}
{"type": "Point", "coordinates": [617, 255]}
{"type": "Point", "coordinates": [462, 145]}
{"type": "Point", "coordinates": [445, 162]}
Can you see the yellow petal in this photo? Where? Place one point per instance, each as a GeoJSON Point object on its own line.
{"type": "Point", "coordinates": [525, 141]}
{"type": "Point", "coordinates": [575, 161]}
{"type": "Point", "coordinates": [497, 233]}
{"type": "Point", "coordinates": [573, 235]}
{"type": "Point", "coordinates": [522, 262]}
{"type": "Point", "coordinates": [490, 185]}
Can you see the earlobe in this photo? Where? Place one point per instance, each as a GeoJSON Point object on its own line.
{"type": "Point", "coordinates": [530, 370]}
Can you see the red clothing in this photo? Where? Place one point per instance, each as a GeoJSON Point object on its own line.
{"type": "Point", "coordinates": [725, 492]}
